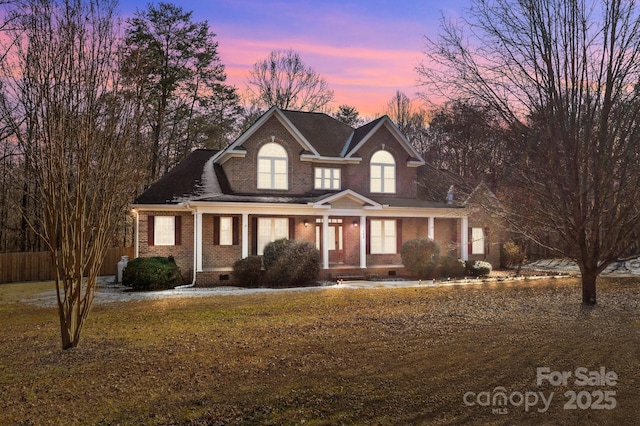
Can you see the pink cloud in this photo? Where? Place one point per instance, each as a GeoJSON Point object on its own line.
{"type": "Point", "coordinates": [363, 77]}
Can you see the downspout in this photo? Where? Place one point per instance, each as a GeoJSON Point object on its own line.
{"type": "Point", "coordinates": [136, 241]}
{"type": "Point", "coordinates": [195, 248]}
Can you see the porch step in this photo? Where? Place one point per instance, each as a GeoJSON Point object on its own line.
{"type": "Point", "coordinates": [340, 278]}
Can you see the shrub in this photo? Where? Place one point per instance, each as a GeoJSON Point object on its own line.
{"type": "Point", "coordinates": [420, 257]}
{"type": "Point", "coordinates": [478, 268]}
{"type": "Point", "coordinates": [275, 250]}
{"type": "Point", "coordinates": [297, 265]}
{"type": "Point", "coordinates": [247, 272]}
{"type": "Point", "coordinates": [452, 267]}
{"type": "Point", "coordinates": [152, 273]}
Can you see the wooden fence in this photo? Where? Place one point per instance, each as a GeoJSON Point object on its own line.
{"type": "Point", "coordinates": [18, 267]}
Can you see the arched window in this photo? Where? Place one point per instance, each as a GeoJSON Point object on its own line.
{"type": "Point", "coordinates": [272, 167]}
{"type": "Point", "coordinates": [383, 173]}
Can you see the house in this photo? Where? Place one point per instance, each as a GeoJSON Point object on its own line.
{"type": "Point", "coordinates": [356, 193]}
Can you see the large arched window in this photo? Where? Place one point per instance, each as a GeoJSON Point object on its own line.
{"type": "Point", "coordinates": [272, 167]}
{"type": "Point", "coordinates": [383, 173]}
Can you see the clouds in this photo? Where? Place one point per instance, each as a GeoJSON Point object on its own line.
{"type": "Point", "coordinates": [366, 50]}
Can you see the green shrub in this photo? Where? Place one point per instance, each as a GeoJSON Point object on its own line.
{"type": "Point", "coordinates": [297, 265]}
{"type": "Point", "coordinates": [152, 273]}
{"type": "Point", "coordinates": [478, 268]}
{"type": "Point", "coordinates": [420, 257]}
{"type": "Point", "coordinates": [451, 267]}
{"type": "Point", "coordinates": [247, 272]}
{"type": "Point", "coordinates": [275, 250]}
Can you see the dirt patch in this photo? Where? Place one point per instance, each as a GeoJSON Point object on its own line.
{"type": "Point", "coordinates": [383, 356]}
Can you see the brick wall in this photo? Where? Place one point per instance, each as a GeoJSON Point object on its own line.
{"type": "Point", "coordinates": [357, 176]}
{"type": "Point", "coordinates": [242, 172]}
{"type": "Point", "coordinates": [183, 253]}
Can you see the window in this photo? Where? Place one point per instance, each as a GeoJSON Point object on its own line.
{"type": "Point", "coordinates": [477, 241]}
{"type": "Point", "coordinates": [271, 229]}
{"type": "Point", "coordinates": [272, 167]}
{"type": "Point", "coordinates": [164, 231]}
{"type": "Point", "coordinates": [326, 178]}
{"type": "Point", "coordinates": [383, 173]}
{"type": "Point", "coordinates": [383, 237]}
{"type": "Point", "coordinates": [226, 231]}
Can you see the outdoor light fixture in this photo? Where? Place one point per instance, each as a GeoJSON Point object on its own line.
{"type": "Point", "coordinates": [355, 223]}
{"type": "Point", "coordinates": [306, 223]}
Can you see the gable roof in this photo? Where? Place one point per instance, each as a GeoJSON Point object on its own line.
{"type": "Point", "coordinates": [322, 137]}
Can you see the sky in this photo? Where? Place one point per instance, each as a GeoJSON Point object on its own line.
{"type": "Point", "coordinates": [366, 50]}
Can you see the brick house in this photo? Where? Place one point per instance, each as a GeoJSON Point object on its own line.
{"type": "Point", "coordinates": [357, 194]}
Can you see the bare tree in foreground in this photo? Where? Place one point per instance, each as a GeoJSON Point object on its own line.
{"type": "Point", "coordinates": [284, 81]}
{"type": "Point", "coordinates": [563, 75]}
{"type": "Point", "coordinates": [63, 104]}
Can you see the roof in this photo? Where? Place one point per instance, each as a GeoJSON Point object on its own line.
{"type": "Point", "coordinates": [183, 180]}
{"type": "Point", "coordinates": [326, 134]}
{"type": "Point", "coordinates": [434, 185]}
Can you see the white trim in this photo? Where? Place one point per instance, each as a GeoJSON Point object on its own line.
{"type": "Point", "coordinates": [198, 239]}
{"type": "Point", "coordinates": [464, 238]}
{"type": "Point", "coordinates": [386, 121]}
{"type": "Point", "coordinates": [225, 154]}
{"type": "Point", "coordinates": [363, 242]}
{"type": "Point", "coordinates": [325, 241]}
{"type": "Point", "coordinates": [350, 194]}
{"type": "Point", "coordinates": [431, 229]}
{"type": "Point", "coordinates": [329, 160]}
{"type": "Point", "coordinates": [245, 235]}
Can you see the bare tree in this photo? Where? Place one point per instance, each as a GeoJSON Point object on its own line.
{"type": "Point", "coordinates": [62, 101]}
{"type": "Point", "coordinates": [284, 81]}
{"type": "Point", "coordinates": [467, 139]}
{"type": "Point", "coordinates": [563, 75]}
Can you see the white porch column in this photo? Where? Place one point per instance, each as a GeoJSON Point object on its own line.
{"type": "Point", "coordinates": [431, 230]}
{"type": "Point", "coordinates": [245, 235]}
{"type": "Point", "coordinates": [363, 242]}
{"type": "Point", "coordinates": [325, 241]}
{"type": "Point", "coordinates": [198, 232]}
{"type": "Point", "coordinates": [464, 238]}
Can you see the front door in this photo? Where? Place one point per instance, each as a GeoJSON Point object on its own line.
{"type": "Point", "coordinates": [335, 243]}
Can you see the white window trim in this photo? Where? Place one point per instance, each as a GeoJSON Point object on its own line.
{"type": "Point", "coordinates": [388, 238]}
{"type": "Point", "coordinates": [226, 231]}
{"type": "Point", "coordinates": [327, 174]}
{"type": "Point", "coordinates": [387, 175]}
{"type": "Point", "coordinates": [164, 231]}
{"type": "Point", "coordinates": [271, 175]}
{"type": "Point", "coordinates": [477, 241]}
{"type": "Point", "coordinates": [263, 239]}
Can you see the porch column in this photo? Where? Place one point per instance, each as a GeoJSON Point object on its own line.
{"type": "Point", "coordinates": [363, 242]}
{"type": "Point", "coordinates": [325, 241]}
{"type": "Point", "coordinates": [431, 231]}
{"type": "Point", "coordinates": [464, 238]}
{"type": "Point", "coordinates": [198, 232]}
{"type": "Point", "coordinates": [245, 235]}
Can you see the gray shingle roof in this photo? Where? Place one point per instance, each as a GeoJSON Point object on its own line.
{"type": "Point", "coordinates": [183, 180]}
{"type": "Point", "coordinates": [326, 134]}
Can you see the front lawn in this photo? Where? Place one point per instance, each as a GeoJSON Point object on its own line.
{"type": "Point", "coordinates": [334, 356]}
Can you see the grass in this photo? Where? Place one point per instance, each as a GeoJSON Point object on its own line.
{"type": "Point", "coordinates": [382, 356]}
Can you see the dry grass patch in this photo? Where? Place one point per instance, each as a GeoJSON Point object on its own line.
{"type": "Point", "coordinates": [383, 356]}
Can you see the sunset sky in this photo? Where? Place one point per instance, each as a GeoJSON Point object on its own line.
{"type": "Point", "coordinates": [366, 50]}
